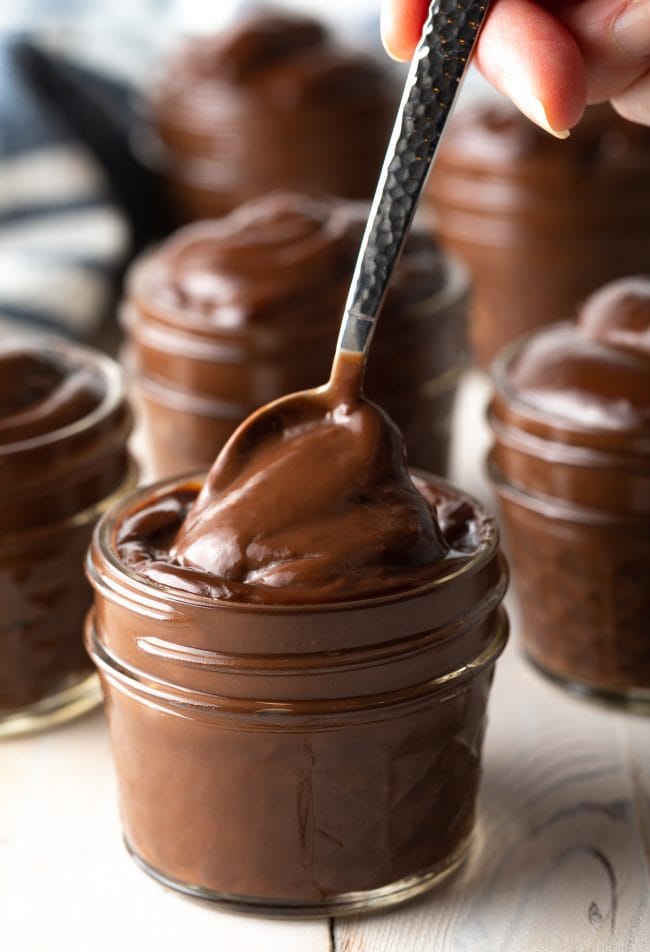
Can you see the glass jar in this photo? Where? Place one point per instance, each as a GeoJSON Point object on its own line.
{"type": "Point", "coordinates": [539, 223]}
{"type": "Point", "coordinates": [575, 501]}
{"type": "Point", "coordinates": [275, 101]}
{"type": "Point", "coordinates": [53, 488]}
{"type": "Point", "coordinates": [297, 760]}
{"type": "Point", "coordinates": [199, 372]}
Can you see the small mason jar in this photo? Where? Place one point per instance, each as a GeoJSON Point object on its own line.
{"type": "Point", "coordinates": [228, 315]}
{"type": "Point", "coordinates": [54, 484]}
{"type": "Point", "coordinates": [274, 101]}
{"type": "Point", "coordinates": [301, 760]}
{"type": "Point", "coordinates": [574, 492]}
{"type": "Point", "coordinates": [539, 223]}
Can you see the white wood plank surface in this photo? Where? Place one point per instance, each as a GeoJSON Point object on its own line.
{"type": "Point", "coordinates": [560, 865]}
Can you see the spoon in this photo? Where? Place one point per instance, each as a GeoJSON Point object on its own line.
{"type": "Point", "coordinates": [433, 81]}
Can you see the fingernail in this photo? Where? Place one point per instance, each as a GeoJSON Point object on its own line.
{"type": "Point", "coordinates": [531, 106]}
{"type": "Point", "coordinates": [387, 32]}
{"type": "Point", "coordinates": [632, 29]}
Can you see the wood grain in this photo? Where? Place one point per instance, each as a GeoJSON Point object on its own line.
{"type": "Point", "coordinates": [562, 858]}
{"type": "Point", "coordinates": [561, 863]}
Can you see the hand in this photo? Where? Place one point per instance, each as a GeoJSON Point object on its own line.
{"type": "Point", "coordinates": [551, 58]}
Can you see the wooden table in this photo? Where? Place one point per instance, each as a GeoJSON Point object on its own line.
{"type": "Point", "coordinates": [560, 865]}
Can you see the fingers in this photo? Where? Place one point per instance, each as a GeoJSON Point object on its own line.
{"type": "Point", "coordinates": [614, 40]}
{"type": "Point", "coordinates": [524, 50]}
{"type": "Point", "coordinates": [401, 26]}
{"type": "Point", "coordinates": [528, 54]}
{"type": "Point", "coordinates": [634, 102]}
{"type": "Point", "coordinates": [632, 29]}
{"type": "Point", "coordinates": [551, 57]}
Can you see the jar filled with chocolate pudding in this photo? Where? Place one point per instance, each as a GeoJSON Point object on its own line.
{"type": "Point", "coordinates": [297, 653]}
{"type": "Point", "coordinates": [64, 424]}
{"type": "Point", "coordinates": [571, 465]}
{"type": "Point", "coordinates": [273, 102]}
{"type": "Point", "coordinates": [227, 315]}
{"type": "Point", "coordinates": [540, 223]}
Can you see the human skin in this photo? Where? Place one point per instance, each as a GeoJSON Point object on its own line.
{"type": "Point", "coordinates": [551, 58]}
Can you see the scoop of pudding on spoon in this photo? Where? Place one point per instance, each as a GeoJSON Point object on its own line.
{"type": "Point", "coordinates": [312, 492]}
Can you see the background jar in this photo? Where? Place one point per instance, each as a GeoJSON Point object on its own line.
{"type": "Point", "coordinates": [275, 101]}
{"type": "Point", "coordinates": [575, 502]}
{"type": "Point", "coordinates": [53, 488]}
{"type": "Point", "coordinates": [325, 758]}
{"type": "Point", "coordinates": [540, 223]}
{"type": "Point", "coordinates": [196, 381]}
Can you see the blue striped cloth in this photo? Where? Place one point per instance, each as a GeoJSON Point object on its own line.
{"type": "Point", "coordinates": [73, 203]}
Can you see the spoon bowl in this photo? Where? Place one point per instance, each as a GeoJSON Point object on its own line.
{"type": "Point", "coordinates": [432, 84]}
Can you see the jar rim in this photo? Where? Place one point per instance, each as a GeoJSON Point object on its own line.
{"type": "Point", "coordinates": [168, 693]}
{"type": "Point", "coordinates": [566, 510]}
{"type": "Point", "coordinates": [103, 538]}
{"type": "Point", "coordinates": [549, 449]}
{"type": "Point", "coordinates": [114, 393]}
{"type": "Point", "coordinates": [168, 394]}
{"type": "Point", "coordinates": [499, 372]}
{"type": "Point", "coordinates": [85, 516]}
{"type": "Point", "coordinates": [456, 284]}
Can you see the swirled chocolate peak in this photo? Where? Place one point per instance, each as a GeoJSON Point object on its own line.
{"type": "Point", "coordinates": [315, 505]}
{"type": "Point", "coordinates": [492, 134]}
{"type": "Point", "coordinates": [595, 373]}
{"type": "Point", "coordinates": [42, 390]}
{"type": "Point", "coordinates": [255, 45]}
{"type": "Point", "coordinates": [276, 101]}
{"type": "Point", "coordinates": [619, 315]}
{"type": "Point", "coordinates": [286, 258]}
{"type": "Point", "coordinates": [286, 58]}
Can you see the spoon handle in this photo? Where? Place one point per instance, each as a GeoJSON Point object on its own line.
{"type": "Point", "coordinates": [437, 67]}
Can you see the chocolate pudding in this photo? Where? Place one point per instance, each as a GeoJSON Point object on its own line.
{"type": "Point", "coordinates": [227, 315]}
{"type": "Point", "coordinates": [571, 463]}
{"type": "Point", "coordinates": [273, 102]}
{"type": "Point", "coordinates": [540, 223]}
{"type": "Point", "coordinates": [63, 430]}
{"type": "Point", "coordinates": [257, 534]}
{"type": "Point", "coordinates": [309, 636]}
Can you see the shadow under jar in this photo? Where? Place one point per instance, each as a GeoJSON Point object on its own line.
{"type": "Point", "coordinates": [540, 223]}
{"type": "Point", "coordinates": [275, 101]}
{"type": "Point", "coordinates": [299, 760]}
{"type": "Point", "coordinates": [64, 424]}
{"type": "Point", "coordinates": [571, 466]}
{"type": "Point", "coordinates": [227, 315]}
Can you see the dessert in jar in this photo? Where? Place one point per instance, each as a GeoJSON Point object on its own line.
{"type": "Point", "coordinates": [64, 424]}
{"type": "Point", "coordinates": [297, 653]}
{"type": "Point", "coordinates": [227, 315]}
{"type": "Point", "coordinates": [273, 102]}
{"type": "Point", "coordinates": [571, 465]}
{"type": "Point", "coordinates": [540, 223]}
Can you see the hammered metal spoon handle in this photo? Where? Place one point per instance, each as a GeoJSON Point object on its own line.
{"type": "Point", "coordinates": [437, 67]}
